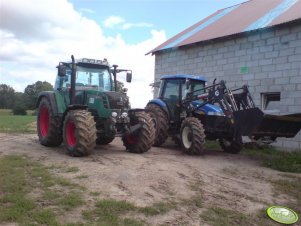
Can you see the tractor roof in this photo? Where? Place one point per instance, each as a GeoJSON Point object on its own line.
{"type": "Point", "coordinates": [87, 61]}
{"type": "Point", "coordinates": [194, 77]}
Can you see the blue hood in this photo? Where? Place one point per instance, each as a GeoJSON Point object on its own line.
{"type": "Point", "coordinates": [207, 108]}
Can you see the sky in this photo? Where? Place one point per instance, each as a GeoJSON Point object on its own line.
{"type": "Point", "coordinates": [36, 34]}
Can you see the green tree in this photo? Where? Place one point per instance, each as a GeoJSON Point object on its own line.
{"type": "Point", "coordinates": [31, 93]}
{"type": "Point", "coordinates": [19, 106]}
{"type": "Point", "coordinates": [6, 96]}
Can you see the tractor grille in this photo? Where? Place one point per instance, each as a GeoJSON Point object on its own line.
{"type": "Point", "coordinates": [105, 103]}
{"type": "Point", "coordinates": [117, 100]}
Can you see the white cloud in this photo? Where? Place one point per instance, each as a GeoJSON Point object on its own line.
{"type": "Point", "coordinates": [113, 21]}
{"type": "Point", "coordinates": [131, 25]}
{"type": "Point", "coordinates": [120, 22]}
{"type": "Point", "coordinates": [86, 10]}
{"type": "Point", "coordinates": [34, 39]}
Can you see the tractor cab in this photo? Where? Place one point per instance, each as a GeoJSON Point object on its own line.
{"type": "Point", "coordinates": [175, 88]}
{"type": "Point", "coordinates": [89, 76]}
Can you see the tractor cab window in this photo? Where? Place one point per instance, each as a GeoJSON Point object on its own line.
{"type": "Point", "coordinates": [171, 96]}
{"type": "Point", "coordinates": [93, 78]}
{"type": "Point", "coordinates": [197, 86]}
{"type": "Point", "coordinates": [63, 81]}
{"type": "Point", "coordinates": [172, 89]}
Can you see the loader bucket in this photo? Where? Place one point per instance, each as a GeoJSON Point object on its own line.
{"type": "Point", "coordinates": [247, 120]}
{"type": "Point", "coordinates": [278, 126]}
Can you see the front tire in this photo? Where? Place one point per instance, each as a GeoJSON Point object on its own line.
{"type": "Point", "coordinates": [48, 125]}
{"type": "Point", "coordinates": [79, 133]}
{"type": "Point", "coordinates": [161, 123]}
{"type": "Point", "coordinates": [192, 136]}
{"type": "Point", "coordinates": [143, 139]}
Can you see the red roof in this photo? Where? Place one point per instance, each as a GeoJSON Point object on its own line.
{"type": "Point", "coordinates": [244, 17]}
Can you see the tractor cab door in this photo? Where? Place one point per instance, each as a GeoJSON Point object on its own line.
{"type": "Point", "coordinates": [172, 97]}
{"type": "Point", "coordinates": [63, 85]}
{"type": "Point", "coordinates": [66, 86]}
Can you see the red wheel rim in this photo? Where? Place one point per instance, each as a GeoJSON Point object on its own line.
{"type": "Point", "coordinates": [44, 121]}
{"type": "Point", "coordinates": [70, 133]}
{"type": "Point", "coordinates": [131, 139]}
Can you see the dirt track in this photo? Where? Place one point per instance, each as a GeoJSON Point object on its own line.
{"type": "Point", "coordinates": [162, 174]}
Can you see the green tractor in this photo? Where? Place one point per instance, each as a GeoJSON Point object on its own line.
{"type": "Point", "coordinates": [87, 108]}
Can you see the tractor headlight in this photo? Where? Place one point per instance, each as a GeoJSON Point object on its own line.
{"type": "Point", "coordinates": [216, 113]}
{"type": "Point", "coordinates": [114, 114]}
{"type": "Point", "coordinates": [124, 115]}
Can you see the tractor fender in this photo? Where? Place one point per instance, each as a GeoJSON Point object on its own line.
{"type": "Point", "coordinates": [50, 95]}
{"type": "Point", "coordinates": [161, 104]}
{"type": "Point", "coordinates": [133, 110]}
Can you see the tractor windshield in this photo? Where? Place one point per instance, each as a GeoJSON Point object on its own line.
{"type": "Point", "coordinates": [93, 78]}
{"type": "Point", "coordinates": [197, 87]}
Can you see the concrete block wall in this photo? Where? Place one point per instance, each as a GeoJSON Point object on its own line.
{"type": "Point", "coordinates": [268, 61]}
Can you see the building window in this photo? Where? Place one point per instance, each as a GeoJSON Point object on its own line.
{"type": "Point", "coordinates": [270, 101]}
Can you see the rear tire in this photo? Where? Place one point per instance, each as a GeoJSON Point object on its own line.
{"type": "Point", "coordinates": [79, 133]}
{"type": "Point", "coordinates": [232, 147]}
{"type": "Point", "coordinates": [48, 125]}
{"type": "Point", "coordinates": [143, 139]}
{"type": "Point", "coordinates": [192, 136]}
{"type": "Point", "coordinates": [161, 123]}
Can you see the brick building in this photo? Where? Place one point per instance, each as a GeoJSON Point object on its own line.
{"type": "Point", "coordinates": [256, 43]}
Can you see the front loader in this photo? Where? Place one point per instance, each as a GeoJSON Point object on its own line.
{"type": "Point", "coordinates": [86, 108]}
{"type": "Point", "coordinates": [189, 111]}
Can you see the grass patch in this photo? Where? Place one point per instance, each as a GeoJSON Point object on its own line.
{"type": "Point", "coordinates": [31, 195]}
{"type": "Point", "coordinates": [216, 216]}
{"type": "Point", "coordinates": [72, 169]}
{"type": "Point", "coordinates": [95, 193]}
{"type": "Point", "coordinates": [82, 176]}
{"type": "Point", "coordinates": [45, 217]}
{"type": "Point", "coordinates": [158, 208]}
{"type": "Point", "coordinates": [278, 160]}
{"type": "Point", "coordinates": [109, 211]}
{"type": "Point", "coordinates": [17, 124]}
{"type": "Point", "coordinates": [211, 144]}
{"type": "Point", "coordinates": [196, 201]}
{"type": "Point", "coordinates": [70, 201]}
{"type": "Point", "coordinates": [5, 112]}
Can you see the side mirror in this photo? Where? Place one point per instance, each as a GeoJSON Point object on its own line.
{"type": "Point", "coordinates": [62, 70]}
{"type": "Point", "coordinates": [128, 76]}
{"type": "Point", "coordinates": [187, 83]}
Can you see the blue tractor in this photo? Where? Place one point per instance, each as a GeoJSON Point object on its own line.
{"type": "Point", "coordinates": [190, 112]}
